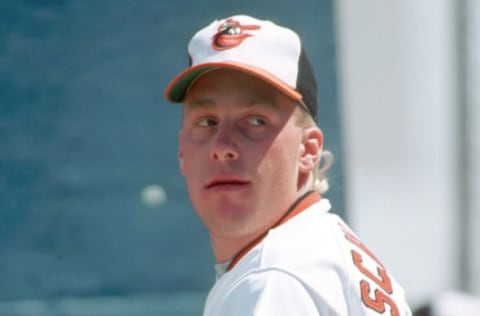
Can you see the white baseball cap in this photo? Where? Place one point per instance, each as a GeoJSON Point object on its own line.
{"type": "Point", "coordinates": [260, 48]}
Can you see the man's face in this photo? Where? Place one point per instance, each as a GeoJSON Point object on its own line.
{"type": "Point", "coordinates": [239, 151]}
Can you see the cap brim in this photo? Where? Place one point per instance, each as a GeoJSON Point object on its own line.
{"type": "Point", "coordinates": [179, 86]}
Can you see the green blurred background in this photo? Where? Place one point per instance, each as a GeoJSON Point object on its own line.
{"type": "Point", "coordinates": [84, 131]}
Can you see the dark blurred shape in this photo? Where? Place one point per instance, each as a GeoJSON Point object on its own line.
{"type": "Point", "coordinates": [423, 311]}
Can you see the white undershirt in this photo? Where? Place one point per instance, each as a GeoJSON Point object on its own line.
{"type": "Point", "coordinates": [221, 268]}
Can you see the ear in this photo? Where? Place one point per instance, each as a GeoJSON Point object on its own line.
{"type": "Point", "coordinates": [180, 155]}
{"type": "Point", "coordinates": [180, 162]}
{"type": "Point", "coordinates": [311, 150]}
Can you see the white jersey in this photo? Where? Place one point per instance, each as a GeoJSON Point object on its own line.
{"type": "Point", "coordinates": [310, 264]}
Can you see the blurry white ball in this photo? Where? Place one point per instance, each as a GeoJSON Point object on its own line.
{"type": "Point", "coordinates": [154, 195]}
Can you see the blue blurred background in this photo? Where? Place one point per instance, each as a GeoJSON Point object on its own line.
{"type": "Point", "coordinates": [94, 216]}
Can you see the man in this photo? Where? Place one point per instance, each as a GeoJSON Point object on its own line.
{"type": "Point", "coordinates": [249, 149]}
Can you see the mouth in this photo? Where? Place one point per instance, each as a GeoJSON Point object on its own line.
{"type": "Point", "coordinates": [226, 183]}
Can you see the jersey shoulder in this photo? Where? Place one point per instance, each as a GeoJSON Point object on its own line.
{"type": "Point", "coordinates": [322, 251]}
{"type": "Point", "coordinates": [373, 289]}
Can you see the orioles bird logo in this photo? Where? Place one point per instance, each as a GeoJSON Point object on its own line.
{"type": "Point", "coordinates": [230, 34]}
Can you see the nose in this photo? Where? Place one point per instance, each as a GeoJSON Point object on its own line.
{"type": "Point", "coordinates": [224, 147]}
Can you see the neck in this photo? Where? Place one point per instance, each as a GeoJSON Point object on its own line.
{"type": "Point", "coordinates": [226, 249]}
{"type": "Point", "coordinates": [232, 250]}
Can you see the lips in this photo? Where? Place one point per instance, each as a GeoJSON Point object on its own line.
{"type": "Point", "coordinates": [226, 182]}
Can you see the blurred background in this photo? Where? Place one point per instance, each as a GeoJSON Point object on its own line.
{"type": "Point", "coordinates": [94, 216]}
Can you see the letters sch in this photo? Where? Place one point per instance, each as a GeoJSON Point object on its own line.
{"type": "Point", "coordinates": [376, 288]}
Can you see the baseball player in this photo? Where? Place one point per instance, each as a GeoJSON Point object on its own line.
{"type": "Point", "coordinates": [253, 160]}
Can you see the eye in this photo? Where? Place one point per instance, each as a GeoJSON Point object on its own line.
{"type": "Point", "coordinates": [206, 122]}
{"type": "Point", "coordinates": [256, 121]}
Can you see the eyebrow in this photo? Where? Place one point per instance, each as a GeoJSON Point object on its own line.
{"type": "Point", "coordinates": [189, 107]}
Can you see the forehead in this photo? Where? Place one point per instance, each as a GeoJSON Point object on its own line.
{"type": "Point", "coordinates": [225, 86]}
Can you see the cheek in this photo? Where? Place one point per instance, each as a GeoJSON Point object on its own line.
{"type": "Point", "coordinates": [183, 159]}
{"type": "Point", "coordinates": [190, 158]}
{"type": "Point", "coordinates": [283, 160]}
{"type": "Point", "coordinates": [290, 147]}
{"type": "Point", "coordinates": [184, 155]}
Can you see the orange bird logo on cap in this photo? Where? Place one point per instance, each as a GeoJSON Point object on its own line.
{"type": "Point", "coordinates": [230, 34]}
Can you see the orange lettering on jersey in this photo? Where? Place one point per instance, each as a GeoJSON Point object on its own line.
{"type": "Point", "coordinates": [354, 240]}
{"type": "Point", "coordinates": [379, 301]}
{"type": "Point", "coordinates": [383, 280]}
{"type": "Point", "coordinates": [381, 296]}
